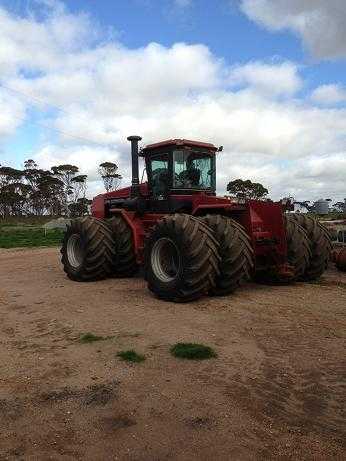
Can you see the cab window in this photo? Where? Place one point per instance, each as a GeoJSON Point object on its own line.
{"type": "Point", "coordinates": [193, 170]}
{"type": "Point", "coordinates": [159, 174]}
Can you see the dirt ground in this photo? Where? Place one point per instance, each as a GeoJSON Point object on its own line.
{"type": "Point", "coordinates": [276, 391]}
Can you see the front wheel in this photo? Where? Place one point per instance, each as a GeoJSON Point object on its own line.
{"type": "Point", "coordinates": [181, 258]}
{"type": "Point", "coordinates": [88, 250]}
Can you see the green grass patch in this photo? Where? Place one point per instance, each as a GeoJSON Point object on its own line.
{"type": "Point", "coordinates": [131, 356]}
{"type": "Point", "coordinates": [26, 220]}
{"type": "Point", "coordinates": [18, 236]}
{"type": "Point", "coordinates": [87, 338]}
{"type": "Point", "coordinates": [192, 351]}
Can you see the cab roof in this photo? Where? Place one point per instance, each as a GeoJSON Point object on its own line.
{"type": "Point", "coordinates": [179, 143]}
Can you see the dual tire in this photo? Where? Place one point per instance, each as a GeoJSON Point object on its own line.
{"type": "Point", "coordinates": [94, 249]}
{"type": "Point", "coordinates": [308, 247]}
{"type": "Point", "coordinates": [236, 254]}
{"type": "Point", "coordinates": [88, 250]}
{"type": "Point", "coordinates": [187, 257]}
{"type": "Point", "coordinates": [124, 262]}
{"type": "Point", "coordinates": [308, 244]}
{"type": "Point", "coordinates": [312, 249]}
{"type": "Point", "coordinates": [298, 248]}
{"type": "Point", "coordinates": [181, 258]}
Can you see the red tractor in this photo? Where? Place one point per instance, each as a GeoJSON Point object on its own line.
{"type": "Point", "coordinates": [189, 241]}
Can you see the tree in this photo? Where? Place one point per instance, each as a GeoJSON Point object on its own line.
{"type": "Point", "coordinates": [30, 164]}
{"type": "Point", "coordinates": [32, 175]}
{"type": "Point", "coordinates": [80, 207]}
{"type": "Point", "coordinates": [11, 191]}
{"type": "Point", "coordinates": [41, 192]}
{"type": "Point", "coordinates": [340, 207]}
{"type": "Point", "coordinates": [108, 172]}
{"type": "Point", "coordinates": [247, 189]}
{"type": "Point", "coordinates": [66, 173]}
{"type": "Point", "coordinates": [79, 187]}
{"type": "Point", "coordinates": [49, 195]}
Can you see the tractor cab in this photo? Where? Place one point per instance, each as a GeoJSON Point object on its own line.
{"type": "Point", "coordinates": [180, 166]}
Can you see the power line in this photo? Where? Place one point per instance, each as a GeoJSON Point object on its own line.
{"type": "Point", "coordinates": [65, 133]}
{"type": "Point", "coordinates": [41, 101]}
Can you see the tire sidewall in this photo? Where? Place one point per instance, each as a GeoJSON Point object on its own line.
{"type": "Point", "coordinates": [74, 228]}
{"type": "Point", "coordinates": [165, 288]}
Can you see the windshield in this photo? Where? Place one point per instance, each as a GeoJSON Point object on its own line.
{"type": "Point", "coordinates": [193, 170]}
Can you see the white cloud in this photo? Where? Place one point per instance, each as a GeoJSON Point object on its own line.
{"type": "Point", "coordinates": [27, 43]}
{"type": "Point", "coordinates": [274, 79]}
{"type": "Point", "coordinates": [108, 91]}
{"type": "Point", "coordinates": [320, 23]}
{"type": "Point", "coordinates": [12, 113]}
{"type": "Point", "coordinates": [318, 176]}
{"type": "Point", "coordinates": [329, 94]}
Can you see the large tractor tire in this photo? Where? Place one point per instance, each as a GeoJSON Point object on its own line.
{"type": "Point", "coordinates": [124, 264]}
{"type": "Point", "coordinates": [339, 258]}
{"type": "Point", "coordinates": [320, 245]}
{"type": "Point", "coordinates": [298, 248]}
{"type": "Point", "coordinates": [181, 258]}
{"type": "Point", "coordinates": [88, 250]}
{"type": "Point", "coordinates": [237, 257]}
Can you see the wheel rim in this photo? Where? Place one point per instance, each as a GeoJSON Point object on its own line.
{"type": "Point", "coordinates": [75, 252]}
{"type": "Point", "coordinates": [165, 260]}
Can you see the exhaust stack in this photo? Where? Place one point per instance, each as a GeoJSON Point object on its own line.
{"type": "Point", "coordinates": [135, 170]}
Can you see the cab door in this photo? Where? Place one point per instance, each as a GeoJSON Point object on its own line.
{"type": "Point", "coordinates": [159, 168]}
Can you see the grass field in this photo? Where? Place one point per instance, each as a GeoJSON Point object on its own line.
{"type": "Point", "coordinates": [22, 235]}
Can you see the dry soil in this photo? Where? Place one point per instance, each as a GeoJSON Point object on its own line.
{"type": "Point", "coordinates": [276, 391]}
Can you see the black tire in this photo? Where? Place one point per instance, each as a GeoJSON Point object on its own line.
{"type": "Point", "coordinates": [237, 256]}
{"type": "Point", "coordinates": [88, 250]}
{"type": "Point", "coordinates": [340, 263]}
{"type": "Point", "coordinates": [124, 263]}
{"type": "Point", "coordinates": [320, 245]}
{"type": "Point", "coordinates": [298, 247]}
{"type": "Point", "coordinates": [181, 258]}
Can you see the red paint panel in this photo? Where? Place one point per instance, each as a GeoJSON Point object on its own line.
{"type": "Point", "coordinates": [98, 207]}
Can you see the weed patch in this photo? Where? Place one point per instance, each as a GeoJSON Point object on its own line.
{"type": "Point", "coordinates": [91, 338]}
{"type": "Point", "coordinates": [131, 356]}
{"type": "Point", "coordinates": [192, 351]}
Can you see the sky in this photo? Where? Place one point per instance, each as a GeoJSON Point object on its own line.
{"type": "Point", "coordinates": [263, 78]}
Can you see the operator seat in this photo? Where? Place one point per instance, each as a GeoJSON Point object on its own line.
{"type": "Point", "coordinates": [190, 177]}
{"type": "Point", "coordinates": [160, 181]}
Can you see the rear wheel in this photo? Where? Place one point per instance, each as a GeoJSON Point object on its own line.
{"type": "Point", "coordinates": [320, 245]}
{"type": "Point", "coordinates": [298, 248]}
{"type": "Point", "coordinates": [340, 260]}
{"type": "Point", "coordinates": [124, 263]}
{"type": "Point", "coordinates": [237, 258]}
{"type": "Point", "coordinates": [88, 250]}
{"type": "Point", "coordinates": [181, 258]}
